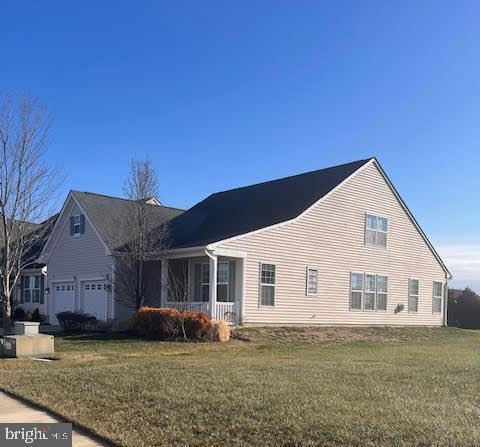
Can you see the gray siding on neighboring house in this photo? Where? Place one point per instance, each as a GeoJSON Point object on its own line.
{"type": "Point", "coordinates": [77, 258]}
{"type": "Point", "coordinates": [330, 236]}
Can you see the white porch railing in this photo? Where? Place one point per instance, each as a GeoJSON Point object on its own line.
{"type": "Point", "coordinates": [228, 312]}
{"type": "Point", "coordinates": [194, 306]}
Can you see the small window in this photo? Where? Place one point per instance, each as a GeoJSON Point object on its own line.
{"type": "Point", "coordinates": [57, 288]}
{"type": "Point", "coordinates": [382, 292]}
{"type": "Point", "coordinates": [31, 289]}
{"type": "Point", "coordinates": [63, 288]}
{"type": "Point", "coordinates": [205, 282]}
{"type": "Point", "coordinates": [87, 286]}
{"type": "Point", "coordinates": [376, 230]}
{"type": "Point", "coordinates": [312, 281]}
{"type": "Point", "coordinates": [356, 295]}
{"type": "Point", "coordinates": [76, 224]}
{"type": "Point", "coordinates": [413, 287]}
{"type": "Point", "coordinates": [437, 297]}
{"type": "Point", "coordinates": [370, 292]}
{"type": "Point", "coordinates": [223, 281]}
{"type": "Point", "coordinates": [267, 284]}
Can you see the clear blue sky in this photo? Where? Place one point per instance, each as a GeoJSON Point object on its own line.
{"type": "Point", "coordinates": [227, 93]}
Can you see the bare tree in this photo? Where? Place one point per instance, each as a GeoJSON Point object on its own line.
{"type": "Point", "coordinates": [142, 236]}
{"type": "Point", "coordinates": [27, 186]}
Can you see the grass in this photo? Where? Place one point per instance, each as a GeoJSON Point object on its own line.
{"type": "Point", "coordinates": [277, 386]}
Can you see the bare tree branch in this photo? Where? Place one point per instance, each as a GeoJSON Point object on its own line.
{"type": "Point", "coordinates": [27, 186]}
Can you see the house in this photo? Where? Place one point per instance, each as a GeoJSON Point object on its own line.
{"type": "Point", "coordinates": [30, 291]}
{"type": "Point", "coordinates": [337, 246]}
{"type": "Point", "coordinates": [80, 255]}
{"type": "Point", "coordinates": [334, 246]}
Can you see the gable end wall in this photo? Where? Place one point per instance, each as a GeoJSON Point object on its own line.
{"type": "Point", "coordinates": [330, 236]}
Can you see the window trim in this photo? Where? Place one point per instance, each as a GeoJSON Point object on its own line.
{"type": "Point", "coordinates": [364, 292]}
{"type": "Point", "coordinates": [307, 292]}
{"type": "Point", "coordinates": [437, 297]}
{"type": "Point", "coordinates": [417, 295]}
{"type": "Point", "coordinates": [224, 283]}
{"type": "Point", "coordinates": [260, 284]}
{"type": "Point", "coordinates": [32, 289]}
{"type": "Point", "coordinates": [74, 216]}
{"type": "Point", "coordinates": [367, 214]}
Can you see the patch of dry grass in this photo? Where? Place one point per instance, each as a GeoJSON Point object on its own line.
{"type": "Point", "coordinates": [287, 386]}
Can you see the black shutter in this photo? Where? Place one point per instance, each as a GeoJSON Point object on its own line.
{"type": "Point", "coordinates": [71, 226]}
{"type": "Point", "coordinates": [82, 224]}
{"type": "Point", "coordinates": [42, 289]}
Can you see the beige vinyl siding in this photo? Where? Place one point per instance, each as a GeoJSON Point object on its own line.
{"type": "Point", "coordinates": [77, 258]}
{"type": "Point", "coordinates": [330, 236]}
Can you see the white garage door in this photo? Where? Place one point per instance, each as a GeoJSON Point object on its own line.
{"type": "Point", "coordinates": [94, 299]}
{"type": "Point", "coordinates": [63, 299]}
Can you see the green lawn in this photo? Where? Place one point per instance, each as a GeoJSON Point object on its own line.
{"type": "Point", "coordinates": [332, 387]}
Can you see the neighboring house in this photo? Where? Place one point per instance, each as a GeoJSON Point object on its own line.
{"type": "Point", "coordinates": [80, 256]}
{"type": "Point", "coordinates": [30, 291]}
{"type": "Point", "coordinates": [334, 246]}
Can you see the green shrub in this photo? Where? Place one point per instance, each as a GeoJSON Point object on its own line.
{"type": "Point", "coordinates": [37, 316]}
{"type": "Point", "coordinates": [74, 321]}
{"type": "Point", "coordinates": [164, 323]}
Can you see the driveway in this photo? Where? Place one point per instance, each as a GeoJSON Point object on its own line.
{"type": "Point", "coordinates": [15, 411]}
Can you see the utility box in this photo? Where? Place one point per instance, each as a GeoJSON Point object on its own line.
{"type": "Point", "coordinates": [39, 345]}
{"type": "Point", "coordinates": [26, 327]}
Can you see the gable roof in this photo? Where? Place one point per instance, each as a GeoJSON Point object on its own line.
{"type": "Point", "coordinates": [238, 211]}
{"type": "Point", "coordinates": [106, 213]}
{"type": "Point", "coordinates": [41, 232]}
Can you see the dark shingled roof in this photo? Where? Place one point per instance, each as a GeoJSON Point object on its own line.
{"type": "Point", "coordinates": [109, 213]}
{"type": "Point", "coordinates": [41, 232]}
{"type": "Point", "coordinates": [238, 211]}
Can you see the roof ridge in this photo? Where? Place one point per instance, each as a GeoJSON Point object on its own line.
{"type": "Point", "coordinates": [123, 198]}
{"type": "Point", "coordinates": [365, 160]}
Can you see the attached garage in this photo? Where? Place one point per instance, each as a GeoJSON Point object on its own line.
{"type": "Point", "coordinates": [94, 298]}
{"type": "Point", "coordinates": [63, 298]}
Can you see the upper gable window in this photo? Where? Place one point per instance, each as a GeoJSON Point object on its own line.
{"type": "Point", "coordinates": [77, 224]}
{"type": "Point", "coordinates": [376, 230]}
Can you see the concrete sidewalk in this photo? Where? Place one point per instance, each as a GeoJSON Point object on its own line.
{"type": "Point", "coordinates": [15, 411]}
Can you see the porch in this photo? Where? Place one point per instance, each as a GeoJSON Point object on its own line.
{"type": "Point", "coordinates": [205, 281]}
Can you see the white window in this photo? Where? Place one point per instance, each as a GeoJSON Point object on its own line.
{"type": "Point", "coordinates": [356, 295]}
{"type": "Point", "coordinates": [368, 292]}
{"type": "Point", "coordinates": [223, 281]}
{"type": "Point", "coordinates": [376, 230]}
{"type": "Point", "coordinates": [31, 289]}
{"type": "Point", "coordinates": [413, 286]}
{"type": "Point", "coordinates": [205, 282]}
{"type": "Point", "coordinates": [382, 292]}
{"type": "Point", "coordinates": [437, 297]}
{"type": "Point", "coordinates": [76, 224]}
{"type": "Point", "coordinates": [312, 281]}
{"type": "Point", "coordinates": [267, 284]}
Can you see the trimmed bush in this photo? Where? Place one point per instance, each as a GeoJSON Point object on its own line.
{"type": "Point", "coordinates": [218, 331]}
{"type": "Point", "coordinates": [74, 321]}
{"type": "Point", "coordinates": [19, 314]}
{"type": "Point", "coordinates": [196, 324]}
{"type": "Point", "coordinates": [37, 316]}
{"type": "Point", "coordinates": [164, 323]}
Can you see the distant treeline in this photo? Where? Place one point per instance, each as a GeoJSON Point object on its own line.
{"type": "Point", "coordinates": [463, 308]}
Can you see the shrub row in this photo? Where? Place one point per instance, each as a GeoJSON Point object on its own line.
{"type": "Point", "coordinates": [160, 323]}
{"type": "Point", "coordinates": [74, 321]}
{"type": "Point", "coordinates": [19, 314]}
